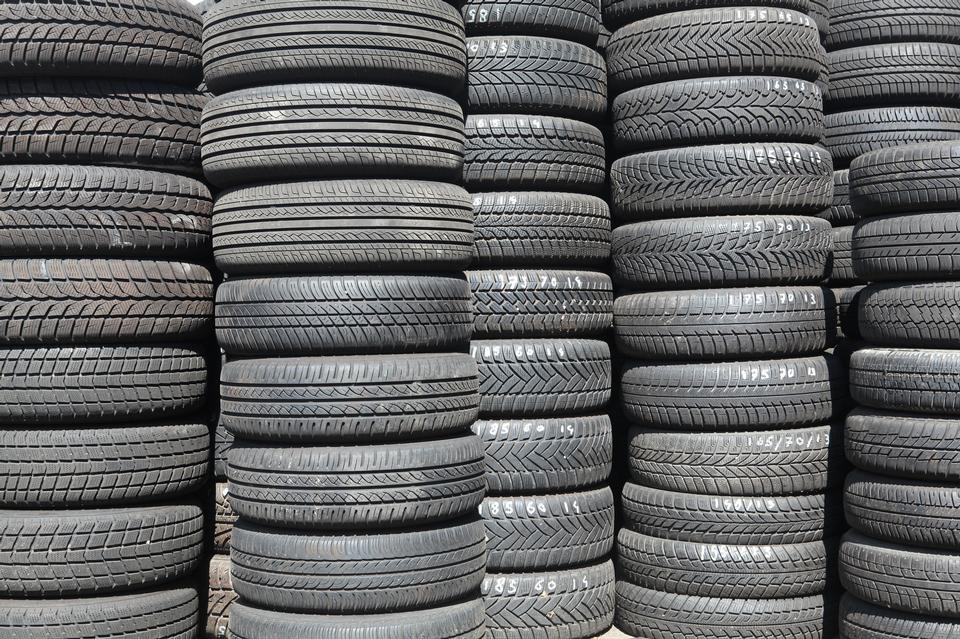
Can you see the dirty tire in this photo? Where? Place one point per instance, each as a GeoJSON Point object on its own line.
{"type": "Point", "coordinates": [922, 177]}
{"type": "Point", "coordinates": [918, 315]}
{"type": "Point", "coordinates": [918, 247]}
{"type": "Point", "coordinates": [850, 134]}
{"type": "Point", "coordinates": [220, 598]}
{"type": "Point", "coordinates": [912, 380]}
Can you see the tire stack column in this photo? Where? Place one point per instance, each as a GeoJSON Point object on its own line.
{"type": "Point", "coordinates": [104, 308]}
{"type": "Point", "coordinates": [732, 511]}
{"type": "Point", "coordinates": [346, 317]}
{"type": "Point", "coordinates": [536, 91]}
{"type": "Point", "coordinates": [900, 563]}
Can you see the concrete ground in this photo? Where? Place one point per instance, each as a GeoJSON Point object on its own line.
{"type": "Point", "coordinates": [614, 634]}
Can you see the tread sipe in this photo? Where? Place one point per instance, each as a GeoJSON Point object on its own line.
{"type": "Point", "coordinates": [913, 380]}
{"type": "Point", "coordinates": [850, 134]}
{"type": "Point", "coordinates": [576, 20]}
{"type": "Point", "coordinates": [910, 247]}
{"type": "Point", "coordinates": [856, 23]}
{"type": "Point", "coordinates": [860, 620]}
{"type": "Point", "coordinates": [617, 13]}
{"type": "Point", "coordinates": [918, 315]}
{"type": "Point", "coordinates": [921, 177]}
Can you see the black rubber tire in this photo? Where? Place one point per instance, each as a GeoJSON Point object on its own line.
{"type": "Point", "coordinates": [529, 153]}
{"type": "Point", "coordinates": [922, 177]}
{"type": "Point", "coordinates": [860, 620]}
{"type": "Point", "coordinates": [617, 13]}
{"type": "Point", "coordinates": [576, 603]}
{"type": "Point", "coordinates": [917, 315]}
{"type": "Point", "coordinates": [455, 621]}
{"type": "Point", "coordinates": [343, 314]}
{"type": "Point", "coordinates": [648, 613]}
{"type": "Point", "coordinates": [57, 553]}
{"type": "Point", "coordinates": [220, 598]}
{"type": "Point", "coordinates": [347, 225]}
{"type": "Point", "coordinates": [721, 252]}
{"type": "Point", "coordinates": [71, 467]}
{"type": "Point", "coordinates": [357, 487]}
{"type": "Point", "coordinates": [841, 212]}
{"type": "Point", "coordinates": [723, 324]}
{"type": "Point", "coordinates": [904, 445]}
{"type": "Point", "coordinates": [159, 40]}
{"type": "Point", "coordinates": [535, 228]}
{"type": "Point", "coordinates": [576, 20]}
{"type": "Point", "coordinates": [716, 570]}
{"type": "Point", "coordinates": [715, 41]}
{"type": "Point", "coordinates": [224, 519]}
{"type": "Point", "coordinates": [105, 122]}
{"type": "Point", "coordinates": [820, 12]}
{"type": "Point", "coordinates": [536, 75]}
{"type": "Point", "coordinates": [726, 179]}
{"type": "Point", "coordinates": [903, 512]}
{"type": "Point", "coordinates": [841, 261]}
{"type": "Point", "coordinates": [163, 614]}
{"type": "Point", "coordinates": [100, 383]}
{"type": "Point", "coordinates": [735, 395]}
{"type": "Point", "coordinates": [250, 43]}
{"type": "Point", "coordinates": [349, 399]}
{"type": "Point", "coordinates": [730, 109]}
{"type": "Point", "coordinates": [542, 377]}
{"type": "Point", "coordinates": [222, 440]}
{"type": "Point", "coordinates": [763, 463]}
{"type": "Point", "coordinates": [856, 23]}
{"type": "Point", "coordinates": [850, 134]}
{"type": "Point", "coordinates": [787, 519]}
{"type": "Point", "coordinates": [917, 247]}
{"type": "Point", "coordinates": [541, 303]}
{"type": "Point", "coordinates": [848, 312]}
{"type": "Point", "coordinates": [913, 380]}
{"type": "Point", "coordinates": [912, 580]}
{"type": "Point", "coordinates": [348, 573]}
{"type": "Point", "coordinates": [331, 130]}
{"type": "Point", "coordinates": [554, 455]}
{"type": "Point", "coordinates": [548, 532]}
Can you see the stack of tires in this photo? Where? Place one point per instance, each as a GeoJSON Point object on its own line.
{"type": "Point", "coordinates": [535, 163]}
{"type": "Point", "coordinates": [732, 509]}
{"type": "Point", "coordinates": [901, 563]}
{"type": "Point", "coordinates": [220, 593]}
{"type": "Point", "coordinates": [103, 309]}
{"type": "Point", "coordinates": [345, 317]}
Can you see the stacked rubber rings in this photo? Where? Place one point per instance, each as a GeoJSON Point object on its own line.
{"type": "Point", "coordinates": [535, 164]}
{"type": "Point", "coordinates": [731, 512]}
{"type": "Point", "coordinates": [104, 305]}
{"type": "Point", "coordinates": [901, 560]}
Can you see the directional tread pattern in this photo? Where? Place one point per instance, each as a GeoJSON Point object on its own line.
{"type": "Point", "coordinates": [220, 598]}
{"type": "Point", "coordinates": [910, 247]}
{"type": "Point", "coordinates": [922, 177]}
{"type": "Point", "coordinates": [918, 315]}
{"type": "Point", "coordinates": [224, 519]}
{"type": "Point", "coordinates": [913, 380]}
{"type": "Point", "coordinates": [850, 134]}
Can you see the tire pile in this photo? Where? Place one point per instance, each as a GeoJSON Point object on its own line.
{"type": "Point", "coordinates": [732, 511]}
{"type": "Point", "coordinates": [345, 317]}
{"type": "Point", "coordinates": [104, 306]}
{"type": "Point", "coordinates": [900, 563]}
{"type": "Point", "coordinates": [535, 163]}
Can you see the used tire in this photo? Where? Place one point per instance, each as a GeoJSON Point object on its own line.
{"type": "Point", "coordinates": [918, 247]}
{"type": "Point", "coordinates": [850, 134]}
{"type": "Point", "coordinates": [856, 23]}
{"type": "Point", "coordinates": [924, 381]}
{"type": "Point", "coordinates": [222, 440]}
{"type": "Point", "coordinates": [918, 315]}
{"type": "Point", "coordinates": [617, 13]}
{"type": "Point", "coordinates": [904, 445]}
{"type": "Point", "coordinates": [841, 262]}
{"type": "Point", "coordinates": [860, 620]}
{"type": "Point", "coordinates": [220, 598]}
{"type": "Point", "coordinates": [848, 311]}
{"type": "Point", "coordinates": [922, 177]}
{"type": "Point", "coordinates": [576, 20]}
{"type": "Point", "coordinates": [224, 519]}
{"type": "Point", "coordinates": [841, 211]}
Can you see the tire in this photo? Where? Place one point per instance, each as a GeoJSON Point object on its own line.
{"type": "Point", "coordinates": [340, 400]}
{"type": "Point", "coordinates": [554, 455]}
{"type": "Point", "coordinates": [58, 554]}
{"type": "Point", "coordinates": [164, 614]}
{"type": "Point", "coordinates": [648, 613]}
{"type": "Point", "coordinates": [912, 580]}
{"type": "Point", "coordinates": [762, 464]}
{"type": "Point", "coordinates": [740, 42]}
{"type": "Point", "coordinates": [220, 598]}
{"type": "Point", "coordinates": [100, 383]}
{"type": "Point", "coordinates": [841, 262]}
{"type": "Point", "coordinates": [918, 247]}
{"type": "Point", "coordinates": [541, 303]}
{"type": "Point", "coordinates": [527, 153]}
{"type": "Point", "coordinates": [716, 570]}
{"type": "Point", "coordinates": [721, 252]}
{"type": "Point", "coordinates": [56, 211]}
{"type": "Point", "coordinates": [343, 314]}
{"type": "Point", "coordinates": [392, 132]}
{"type": "Point", "coordinates": [531, 228]}
{"type": "Point", "coordinates": [536, 75]}
{"type": "Point", "coordinates": [735, 395]}
{"type": "Point", "coordinates": [576, 603]}
{"type": "Point", "coordinates": [917, 315]}
{"type": "Point", "coordinates": [357, 487]}
{"type": "Point", "coordinates": [841, 211]}
{"type": "Point", "coordinates": [726, 179]}
{"type": "Point", "coordinates": [222, 440]}
{"type": "Point", "coordinates": [720, 324]}
{"type": "Point", "coordinates": [848, 311]}
{"type": "Point", "coordinates": [904, 445]}
{"type": "Point", "coordinates": [548, 532]}
{"type": "Point", "coordinates": [345, 573]}
{"type": "Point", "coordinates": [542, 378]}
{"type": "Point", "coordinates": [700, 111]}
{"type": "Point", "coordinates": [617, 13]}
{"type": "Point", "coordinates": [820, 12]}
{"type": "Point", "coordinates": [923, 381]}
{"type": "Point", "coordinates": [903, 512]}
{"type": "Point", "coordinates": [860, 620]}
{"type": "Point", "coordinates": [455, 621]}
{"type": "Point", "coordinates": [576, 20]}
{"type": "Point", "coordinates": [129, 39]}
{"type": "Point", "coordinates": [786, 519]}
{"type": "Point", "coordinates": [923, 177]}
{"type": "Point", "coordinates": [249, 44]}
{"type": "Point", "coordinates": [856, 23]}
{"type": "Point", "coordinates": [850, 134]}
{"type": "Point", "coordinates": [224, 519]}
{"type": "Point", "coordinates": [71, 467]}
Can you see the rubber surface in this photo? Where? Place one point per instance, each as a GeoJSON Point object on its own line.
{"type": "Point", "coordinates": [842, 269]}
{"type": "Point", "coordinates": [576, 20]}
{"type": "Point", "coordinates": [904, 445]}
{"type": "Point", "coordinates": [860, 620]}
{"type": "Point", "coordinates": [220, 598]}
{"type": "Point", "coordinates": [919, 315]}
{"type": "Point", "coordinates": [616, 13]}
{"type": "Point", "coordinates": [850, 134]}
{"type": "Point", "coordinates": [917, 178]}
{"type": "Point", "coordinates": [224, 519]}
{"type": "Point", "coordinates": [848, 312]}
{"type": "Point", "coordinates": [861, 22]}
{"type": "Point", "coordinates": [841, 212]}
{"type": "Point", "coordinates": [913, 380]}
{"type": "Point", "coordinates": [917, 247]}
